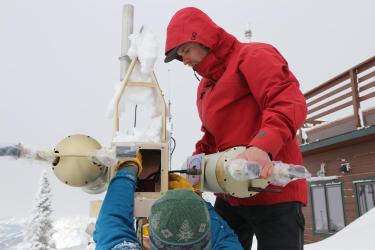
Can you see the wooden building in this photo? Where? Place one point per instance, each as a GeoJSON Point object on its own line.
{"type": "Point", "coordinates": [338, 146]}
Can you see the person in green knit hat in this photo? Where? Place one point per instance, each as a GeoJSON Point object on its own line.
{"type": "Point", "coordinates": [181, 219]}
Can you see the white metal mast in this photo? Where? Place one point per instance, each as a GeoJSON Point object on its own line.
{"type": "Point", "coordinates": [248, 33]}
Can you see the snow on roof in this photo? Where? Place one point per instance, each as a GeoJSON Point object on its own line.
{"type": "Point", "coordinates": [323, 178]}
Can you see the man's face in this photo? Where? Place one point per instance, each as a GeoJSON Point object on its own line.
{"type": "Point", "coordinates": [192, 53]}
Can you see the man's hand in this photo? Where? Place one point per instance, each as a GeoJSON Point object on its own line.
{"type": "Point", "coordinates": [259, 156]}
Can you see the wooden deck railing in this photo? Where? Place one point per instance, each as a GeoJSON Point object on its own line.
{"type": "Point", "coordinates": [349, 88]}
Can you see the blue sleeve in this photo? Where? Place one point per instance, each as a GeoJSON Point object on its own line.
{"type": "Point", "coordinates": [115, 224]}
{"type": "Point", "coordinates": [223, 237]}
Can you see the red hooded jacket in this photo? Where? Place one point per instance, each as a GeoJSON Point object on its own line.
{"type": "Point", "coordinates": [247, 97]}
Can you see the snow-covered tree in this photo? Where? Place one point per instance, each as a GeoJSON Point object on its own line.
{"type": "Point", "coordinates": [38, 234]}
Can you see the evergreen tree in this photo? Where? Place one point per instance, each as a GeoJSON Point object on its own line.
{"type": "Point", "coordinates": [38, 234]}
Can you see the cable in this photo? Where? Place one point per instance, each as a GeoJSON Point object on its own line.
{"type": "Point", "coordinates": [135, 115]}
{"type": "Point", "coordinates": [156, 176]}
{"type": "Point", "coordinates": [174, 146]}
{"type": "Point", "coordinates": [187, 171]}
{"type": "Point", "coordinates": [195, 74]}
{"type": "Point", "coordinates": [178, 171]}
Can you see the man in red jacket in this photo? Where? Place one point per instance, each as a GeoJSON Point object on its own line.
{"type": "Point", "coordinates": [247, 97]}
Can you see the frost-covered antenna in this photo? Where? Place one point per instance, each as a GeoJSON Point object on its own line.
{"type": "Point", "coordinates": [169, 96]}
{"type": "Point", "coordinates": [170, 103]}
{"type": "Point", "coordinates": [170, 116]}
{"type": "Point", "coordinates": [248, 33]}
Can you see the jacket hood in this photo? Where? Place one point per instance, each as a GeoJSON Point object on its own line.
{"type": "Point", "coordinates": [193, 25]}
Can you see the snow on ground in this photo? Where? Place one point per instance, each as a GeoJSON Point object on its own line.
{"type": "Point", "coordinates": [10, 233]}
{"type": "Point", "coordinates": [357, 235]}
{"type": "Point", "coordinates": [71, 234]}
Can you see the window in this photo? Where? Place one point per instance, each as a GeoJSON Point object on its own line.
{"type": "Point", "coordinates": [327, 207]}
{"type": "Point", "coordinates": [365, 195]}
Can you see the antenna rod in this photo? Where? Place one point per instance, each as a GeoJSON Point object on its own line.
{"type": "Point", "coordinates": [127, 29]}
{"type": "Point", "coordinates": [248, 33]}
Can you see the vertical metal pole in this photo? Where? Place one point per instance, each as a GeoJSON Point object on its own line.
{"type": "Point", "coordinates": [248, 33]}
{"type": "Point", "coordinates": [127, 29]}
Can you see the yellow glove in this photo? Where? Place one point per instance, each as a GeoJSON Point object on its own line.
{"type": "Point", "coordinates": [137, 160]}
{"type": "Point", "coordinates": [178, 182]}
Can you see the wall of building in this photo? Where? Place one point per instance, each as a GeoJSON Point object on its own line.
{"type": "Point", "coordinates": [361, 157]}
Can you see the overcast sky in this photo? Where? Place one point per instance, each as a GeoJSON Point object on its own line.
{"type": "Point", "coordinates": [58, 66]}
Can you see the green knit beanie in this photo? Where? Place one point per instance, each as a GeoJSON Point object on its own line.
{"type": "Point", "coordinates": [180, 220]}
